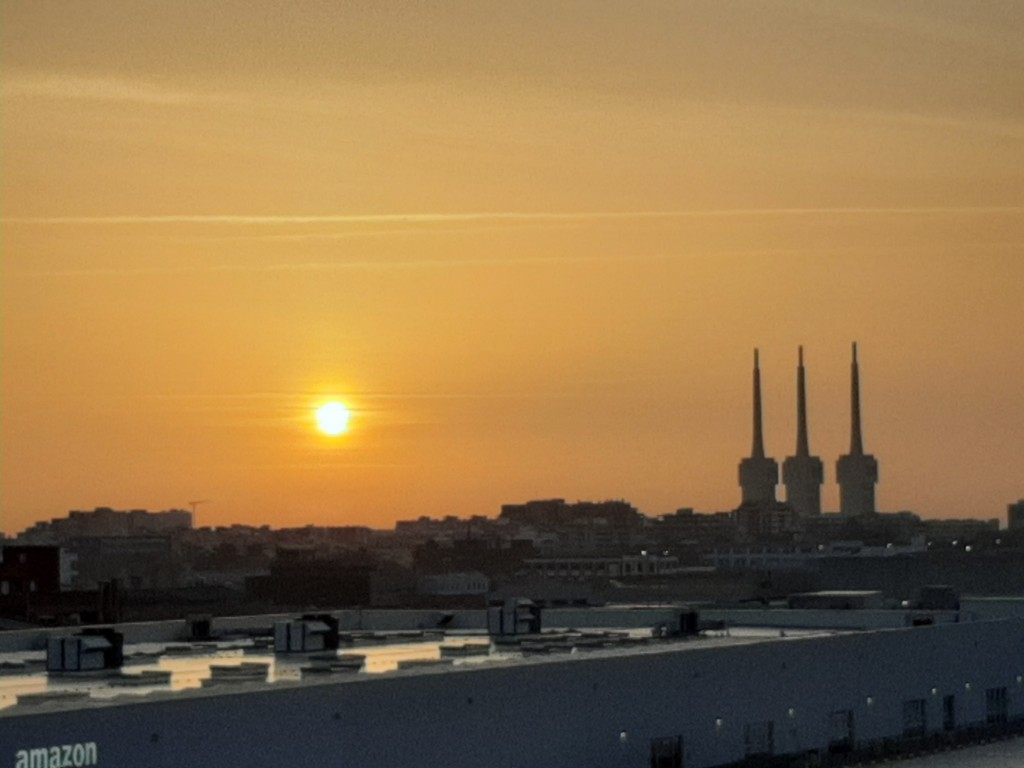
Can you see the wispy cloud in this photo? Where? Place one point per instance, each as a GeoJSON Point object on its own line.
{"type": "Point", "coordinates": [361, 395]}
{"type": "Point", "coordinates": [328, 266]}
{"type": "Point", "coordinates": [355, 225]}
{"type": "Point", "coordinates": [109, 89]}
{"type": "Point", "coordinates": [344, 265]}
{"type": "Point", "coordinates": [519, 216]}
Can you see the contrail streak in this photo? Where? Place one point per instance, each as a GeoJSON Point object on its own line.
{"type": "Point", "coordinates": [522, 216]}
{"type": "Point", "coordinates": [430, 263]}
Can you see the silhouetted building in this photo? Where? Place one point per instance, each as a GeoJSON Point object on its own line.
{"type": "Point", "coordinates": [300, 578]}
{"type": "Point", "coordinates": [766, 522]}
{"type": "Point", "coordinates": [625, 566]}
{"type": "Point", "coordinates": [585, 527]}
{"type": "Point", "coordinates": [337, 537]}
{"type": "Point", "coordinates": [453, 584]}
{"type": "Point", "coordinates": [686, 526]}
{"type": "Point", "coordinates": [803, 474]}
{"type": "Point", "coordinates": [138, 562]}
{"type": "Point", "coordinates": [27, 572]}
{"type": "Point", "coordinates": [492, 557]}
{"type": "Point", "coordinates": [964, 532]}
{"type": "Point", "coordinates": [758, 474]}
{"type": "Point", "coordinates": [104, 521]}
{"type": "Point", "coordinates": [31, 589]}
{"type": "Point", "coordinates": [542, 513]}
{"type": "Point", "coordinates": [857, 472]}
{"type": "Point", "coordinates": [1015, 516]}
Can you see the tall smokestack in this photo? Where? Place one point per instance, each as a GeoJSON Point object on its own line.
{"type": "Point", "coordinates": [857, 472]}
{"type": "Point", "coordinates": [757, 451]}
{"type": "Point", "coordinates": [802, 448]}
{"type": "Point", "coordinates": [856, 441]}
{"type": "Point", "coordinates": [758, 474]}
{"type": "Point", "coordinates": [802, 474]}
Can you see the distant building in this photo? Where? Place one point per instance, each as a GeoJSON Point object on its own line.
{"type": "Point", "coordinates": [803, 558]}
{"type": "Point", "coordinates": [137, 562]}
{"type": "Point", "coordinates": [759, 522]}
{"type": "Point", "coordinates": [555, 512]}
{"type": "Point", "coordinates": [960, 530]}
{"type": "Point", "coordinates": [453, 584]}
{"type": "Point", "coordinates": [299, 578]}
{"type": "Point", "coordinates": [104, 521]}
{"type": "Point", "coordinates": [1015, 516]}
{"type": "Point", "coordinates": [32, 589]}
{"type": "Point", "coordinates": [626, 566]}
{"type": "Point", "coordinates": [25, 571]}
{"type": "Point", "coordinates": [686, 526]}
{"type": "Point", "coordinates": [494, 558]}
{"type": "Point", "coordinates": [585, 527]}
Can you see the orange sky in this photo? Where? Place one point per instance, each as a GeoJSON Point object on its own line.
{"type": "Point", "coordinates": [530, 244]}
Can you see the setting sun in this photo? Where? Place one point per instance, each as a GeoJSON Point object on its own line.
{"type": "Point", "coordinates": [332, 418]}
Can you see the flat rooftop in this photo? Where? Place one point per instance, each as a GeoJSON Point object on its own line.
{"type": "Point", "coordinates": [246, 662]}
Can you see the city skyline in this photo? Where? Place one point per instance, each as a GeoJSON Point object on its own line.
{"type": "Point", "coordinates": [529, 247]}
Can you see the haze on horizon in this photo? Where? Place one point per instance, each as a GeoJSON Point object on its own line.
{"type": "Point", "coordinates": [530, 245]}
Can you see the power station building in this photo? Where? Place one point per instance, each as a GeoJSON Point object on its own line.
{"type": "Point", "coordinates": [803, 473]}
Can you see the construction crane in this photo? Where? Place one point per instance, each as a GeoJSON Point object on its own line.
{"type": "Point", "coordinates": [195, 504]}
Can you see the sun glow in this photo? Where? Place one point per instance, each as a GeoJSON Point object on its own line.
{"type": "Point", "coordinates": [332, 418]}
